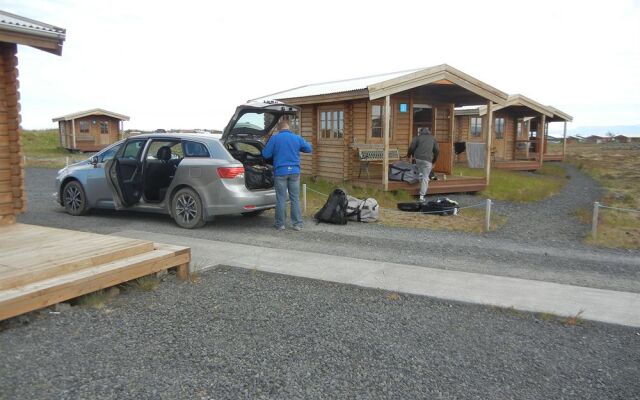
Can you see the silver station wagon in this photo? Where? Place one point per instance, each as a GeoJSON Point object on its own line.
{"type": "Point", "coordinates": [192, 177]}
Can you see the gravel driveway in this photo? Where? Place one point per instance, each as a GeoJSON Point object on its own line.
{"type": "Point", "coordinates": [247, 334]}
{"type": "Point", "coordinates": [532, 256]}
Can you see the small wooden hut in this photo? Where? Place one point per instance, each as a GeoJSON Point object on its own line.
{"type": "Point", "coordinates": [345, 119]}
{"type": "Point", "coordinates": [16, 30]}
{"type": "Point", "coordinates": [90, 130]}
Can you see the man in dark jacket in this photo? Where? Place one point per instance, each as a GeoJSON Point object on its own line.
{"type": "Point", "coordinates": [285, 147]}
{"type": "Point", "coordinates": [424, 148]}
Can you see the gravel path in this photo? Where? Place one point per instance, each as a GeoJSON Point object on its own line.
{"type": "Point", "coordinates": [549, 221]}
{"type": "Point", "coordinates": [542, 259]}
{"type": "Point", "coordinates": [247, 334]}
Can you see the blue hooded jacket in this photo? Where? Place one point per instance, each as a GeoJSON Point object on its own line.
{"type": "Point", "coordinates": [285, 147]}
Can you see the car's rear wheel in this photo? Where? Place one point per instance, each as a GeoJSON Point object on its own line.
{"type": "Point", "coordinates": [253, 213]}
{"type": "Point", "coordinates": [74, 198]}
{"type": "Point", "coordinates": [187, 210]}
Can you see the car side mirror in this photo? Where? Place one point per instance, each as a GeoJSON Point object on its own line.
{"type": "Point", "coordinates": [95, 160]}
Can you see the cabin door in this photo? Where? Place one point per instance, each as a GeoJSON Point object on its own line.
{"type": "Point", "coordinates": [498, 138]}
{"type": "Point", "coordinates": [443, 132]}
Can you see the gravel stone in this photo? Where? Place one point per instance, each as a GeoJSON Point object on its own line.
{"type": "Point", "coordinates": [248, 334]}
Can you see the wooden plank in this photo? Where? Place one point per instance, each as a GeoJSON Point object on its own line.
{"type": "Point", "coordinates": [51, 291]}
{"type": "Point", "coordinates": [44, 270]}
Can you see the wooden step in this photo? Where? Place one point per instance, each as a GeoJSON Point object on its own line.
{"type": "Point", "coordinates": [33, 253]}
{"type": "Point", "coordinates": [45, 292]}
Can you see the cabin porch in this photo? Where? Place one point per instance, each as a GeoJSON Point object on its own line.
{"type": "Point", "coordinates": [444, 184]}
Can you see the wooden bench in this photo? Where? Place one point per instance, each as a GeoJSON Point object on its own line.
{"type": "Point", "coordinates": [368, 155]}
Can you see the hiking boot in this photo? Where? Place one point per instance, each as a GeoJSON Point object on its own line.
{"type": "Point", "coordinates": [422, 199]}
{"type": "Point", "coordinates": [297, 228]}
{"type": "Point", "coordinates": [280, 228]}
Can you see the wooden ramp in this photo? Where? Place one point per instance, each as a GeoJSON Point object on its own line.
{"type": "Point", "coordinates": [517, 165]}
{"type": "Point", "coordinates": [41, 266]}
{"type": "Point", "coordinates": [553, 157]}
{"type": "Point", "coordinates": [452, 184]}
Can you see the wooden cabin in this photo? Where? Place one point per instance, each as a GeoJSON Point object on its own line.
{"type": "Point", "coordinates": [16, 30]}
{"type": "Point", "coordinates": [380, 115]}
{"type": "Point", "coordinates": [514, 136]}
{"type": "Point", "coordinates": [90, 130]}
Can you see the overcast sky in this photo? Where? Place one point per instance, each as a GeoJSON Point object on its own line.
{"type": "Point", "coordinates": [188, 64]}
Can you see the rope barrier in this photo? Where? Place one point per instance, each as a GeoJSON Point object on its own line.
{"type": "Point", "coordinates": [619, 209]}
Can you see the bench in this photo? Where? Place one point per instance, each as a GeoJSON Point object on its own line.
{"type": "Point", "coordinates": [366, 156]}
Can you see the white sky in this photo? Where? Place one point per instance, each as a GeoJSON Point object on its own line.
{"type": "Point", "coordinates": [188, 64]}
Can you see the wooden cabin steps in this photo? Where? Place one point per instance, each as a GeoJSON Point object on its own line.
{"type": "Point", "coordinates": [70, 284]}
{"type": "Point", "coordinates": [41, 266]}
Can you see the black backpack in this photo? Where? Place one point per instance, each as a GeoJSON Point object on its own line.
{"type": "Point", "coordinates": [334, 210]}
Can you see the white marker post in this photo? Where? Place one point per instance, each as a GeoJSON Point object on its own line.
{"type": "Point", "coordinates": [594, 221]}
{"type": "Point", "coordinates": [304, 197]}
{"type": "Point", "coordinates": [487, 215]}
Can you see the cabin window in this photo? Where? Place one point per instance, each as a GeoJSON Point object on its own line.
{"type": "Point", "coordinates": [499, 128]}
{"type": "Point", "coordinates": [519, 128]}
{"type": "Point", "coordinates": [84, 126]}
{"type": "Point", "coordinates": [331, 124]}
{"type": "Point", "coordinates": [85, 131]}
{"type": "Point", "coordinates": [476, 126]}
{"type": "Point", "coordinates": [377, 120]}
{"type": "Point", "coordinates": [104, 127]}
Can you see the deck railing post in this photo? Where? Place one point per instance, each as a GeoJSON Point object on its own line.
{"type": "Point", "coordinates": [304, 197]}
{"type": "Point", "coordinates": [594, 221]}
{"type": "Point", "coordinates": [67, 161]}
{"type": "Point", "coordinates": [487, 215]}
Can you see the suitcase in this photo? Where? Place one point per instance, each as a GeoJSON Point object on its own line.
{"type": "Point", "coordinates": [413, 207]}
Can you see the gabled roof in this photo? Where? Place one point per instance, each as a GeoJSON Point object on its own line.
{"type": "Point", "coordinates": [21, 30]}
{"type": "Point", "coordinates": [559, 116]}
{"type": "Point", "coordinates": [516, 100]}
{"type": "Point", "coordinates": [377, 86]}
{"type": "Point", "coordinates": [519, 100]}
{"type": "Point", "coordinates": [95, 111]}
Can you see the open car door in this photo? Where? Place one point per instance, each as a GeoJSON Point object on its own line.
{"type": "Point", "coordinates": [124, 173]}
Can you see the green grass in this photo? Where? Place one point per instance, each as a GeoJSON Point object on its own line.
{"type": "Point", "coordinates": [617, 168]}
{"type": "Point", "coordinates": [42, 149]}
{"type": "Point", "coordinates": [468, 220]}
{"type": "Point", "coordinates": [147, 283]}
{"type": "Point", "coordinates": [519, 186]}
{"type": "Point", "coordinates": [95, 300]}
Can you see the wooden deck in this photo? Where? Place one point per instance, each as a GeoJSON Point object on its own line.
{"type": "Point", "coordinates": [41, 266]}
{"type": "Point", "coordinates": [553, 157]}
{"type": "Point", "coordinates": [517, 165]}
{"type": "Point", "coordinates": [452, 184]}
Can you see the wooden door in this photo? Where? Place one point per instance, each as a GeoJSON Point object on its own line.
{"type": "Point", "coordinates": [498, 138]}
{"type": "Point", "coordinates": [443, 132]}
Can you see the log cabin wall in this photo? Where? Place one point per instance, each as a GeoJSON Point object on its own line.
{"type": "Point", "coordinates": [12, 194]}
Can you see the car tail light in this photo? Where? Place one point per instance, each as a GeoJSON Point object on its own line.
{"type": "Point", "coordinates": [230, 172]}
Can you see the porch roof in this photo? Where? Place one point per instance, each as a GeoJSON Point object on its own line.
{"type": "Point", "coordinates": [519, 104]}
{"type": "Point", "coordinates": [559, 116]}
{"type": "Point", "coordinates": [94, 111]}
{"type": "Point", "coordinates": [443, 83]}
{"type": "Point", "coordinates": [22, 30]}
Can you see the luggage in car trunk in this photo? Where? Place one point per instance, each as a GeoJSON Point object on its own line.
{"type": "Point", "coordinates": [258, 176]}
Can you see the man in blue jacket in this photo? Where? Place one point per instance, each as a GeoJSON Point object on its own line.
{"type": "Point", "coordinates": [285, 147]}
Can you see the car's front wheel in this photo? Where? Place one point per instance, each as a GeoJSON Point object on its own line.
{"type": "Point", "coordinates": [74, 198]}
{"type": "Point", "coordinates": [187, 210]}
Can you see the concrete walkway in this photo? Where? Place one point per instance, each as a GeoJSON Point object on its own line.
{"type": "Point", "coordinates": [527, 295]}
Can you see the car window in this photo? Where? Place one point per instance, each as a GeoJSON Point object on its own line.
{"type": "Point", "coordinates": [254, 123]}
{"type": "Point", "coordinates": [194, 149]}
{"type": "Point", "coordinates": [176, 151]}
{"type": "Point", "coordinates": [248, 147]}
{"type": "Point", "coordinates": [108, 154]}
{"type": "Point", "coordinates": [133, 149]}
